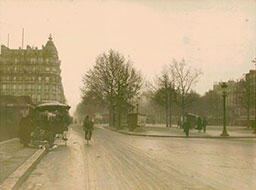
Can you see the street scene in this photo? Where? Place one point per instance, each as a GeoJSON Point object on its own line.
{"type": "Point", "coordinates": [114, 161]}
{"type": "Point", "coordinates": [128, 95]}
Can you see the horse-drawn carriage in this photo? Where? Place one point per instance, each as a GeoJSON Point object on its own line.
{"type": "Point", "coordinates": [50, 120]}
{"type": "Point", "coordinates": [192, 118]}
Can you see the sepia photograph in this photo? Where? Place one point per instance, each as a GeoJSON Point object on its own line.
{"type": "Point", "coordinates": [127, 94]}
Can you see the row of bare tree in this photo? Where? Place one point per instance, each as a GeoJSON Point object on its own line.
{"type": "Point", "coordinates": [175, 85]}
{"type": "Point", "coordinates": [113, 84]}
{"type": "Point", "coordinates": [240, 103]}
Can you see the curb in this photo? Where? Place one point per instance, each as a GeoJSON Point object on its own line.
{"type": "Point", "coordinates": [9, 140]}
{"type": "Point", "coordinates": [15, 180]}
{"type": "Point", "coordinates": [178, 136]}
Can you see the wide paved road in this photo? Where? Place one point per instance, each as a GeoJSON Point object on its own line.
{"type": "Point", "coordinates": [118, 162]}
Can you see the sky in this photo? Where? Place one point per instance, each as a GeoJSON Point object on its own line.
{"type": "Point", "coordinates": [216, 36]}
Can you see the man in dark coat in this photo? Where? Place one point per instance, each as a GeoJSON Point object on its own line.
{"type": "Point", "coordinates": [204, 123]}
{"type": "Point", "coordinates": [88, 128]}
{"type": "Point", "coordinates": [199, 124]}
{"type": "Point", "coordinates": [25, 130]}
{"type": "Point", "coordinates": [186, 126]}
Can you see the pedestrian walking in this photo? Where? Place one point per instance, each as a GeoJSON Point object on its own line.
{"type": "Point", "coordinates": [199, 124]}
{"type": "Point", "coordinates": [179, 123]}
{"type": "Point", "coordinates": [204, 123]}
{"type": "Point", "coordinates": [88, 128]}
{"type": "Point", "coordinates": [24, 132]}
{"type": "Point", "coordinates": [47, 125]}
{"type": "Point", "coordinates": [186, 126]}
{"type": "Point", "coordinates": [52, 130]}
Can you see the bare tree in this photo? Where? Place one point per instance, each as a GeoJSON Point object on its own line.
{"type": "Point", "coordinates": [186, 78]}
{"type": "Point", "coordinates": [113, 81]}
{"type": "Point", "coordinates": [163, 93]}
{"type": "Point", "coordinates": [211, 105]}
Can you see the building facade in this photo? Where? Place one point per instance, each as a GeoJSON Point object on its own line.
{"type": "Point", "coordinates": [32, 72]}
{"type": "Point", "coordinates": [250, 79]}
{"type": "Point", "coordinates": [235, 108]}
{"type": "Point", "coordinates": [240, 100]}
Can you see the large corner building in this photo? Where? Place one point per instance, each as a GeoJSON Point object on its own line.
{"type": "Point", "coordinates": [32, 72]}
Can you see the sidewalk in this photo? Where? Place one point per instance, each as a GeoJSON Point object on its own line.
{"type": "Point", "coordinates": [15, 162]}
{"type": "Point", "coordinates": [212, 132]}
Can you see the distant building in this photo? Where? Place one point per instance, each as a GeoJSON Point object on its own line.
{"type": "Point", "coordinates": [251, 80]}
{"type": "Point", "coordinates": [31, 72]}
{"type": "Point", "coordinates": [250, 77]}
{"type": "Point", "coordinates": [230, 87]}
{"type": "Point", "coordinates": [233, 98]}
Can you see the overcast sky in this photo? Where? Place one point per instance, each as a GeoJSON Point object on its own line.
{"type": "Point", "coordinates": [217, 36]}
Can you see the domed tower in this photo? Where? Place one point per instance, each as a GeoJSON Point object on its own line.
{"type": "Point", "coordinates": [52, 72]}
{"type": "Point", "coordinates": [50, 50]}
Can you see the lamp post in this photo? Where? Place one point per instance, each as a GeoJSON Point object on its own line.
{"type": "Point", "coordinates": [224, 132]}
{"type": "Point", "coordinates": [254, 131]}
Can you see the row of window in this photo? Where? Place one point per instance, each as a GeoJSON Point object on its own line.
{"type": "Point", "coordinates": [30, 87]}
{"type": "Point", "coordinates": [15, 60]}
{"type": "Point", "coordinates": [19, 69]}
{"type": "Point", "coordinates": [30, 78]}
{"type": "Point", "coordinates": [33, 96]}
{"type": "Point", "coordinates": [38, 97]}
{"type": "Point", "coordinates": [32, 90]}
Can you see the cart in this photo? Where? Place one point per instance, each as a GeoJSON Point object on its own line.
{"type": "Point", "coordinates": [52, 122]}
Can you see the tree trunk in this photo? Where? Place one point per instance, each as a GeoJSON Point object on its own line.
{"type": "Point", "coordinates": [248, 109]}
{"type": "Point", "coordinates": [248, 104]}
{"type": "Point", "coordinates": [183, 107]}
{"type": "Point", "coordinates": [113, 117]}
{"type": "Point", "coordinates": [119, 115]}
{"type": "Point", "coordinates": [248, 117]}
{"type": "Point", "coordinates": [167, 110]}
{"type": "Point", "coordinates": [170, 110]}
{"type": "Point", "coordinates": [110, 117]}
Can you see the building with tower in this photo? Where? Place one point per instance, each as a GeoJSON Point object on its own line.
{"type": "Point", "coordinates": [32, 72]}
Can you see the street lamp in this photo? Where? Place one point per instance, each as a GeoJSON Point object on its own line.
{"type": "Point", "coordinates": [254, 131]}
{"type": "Point", "coordinates": [224, 132]}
